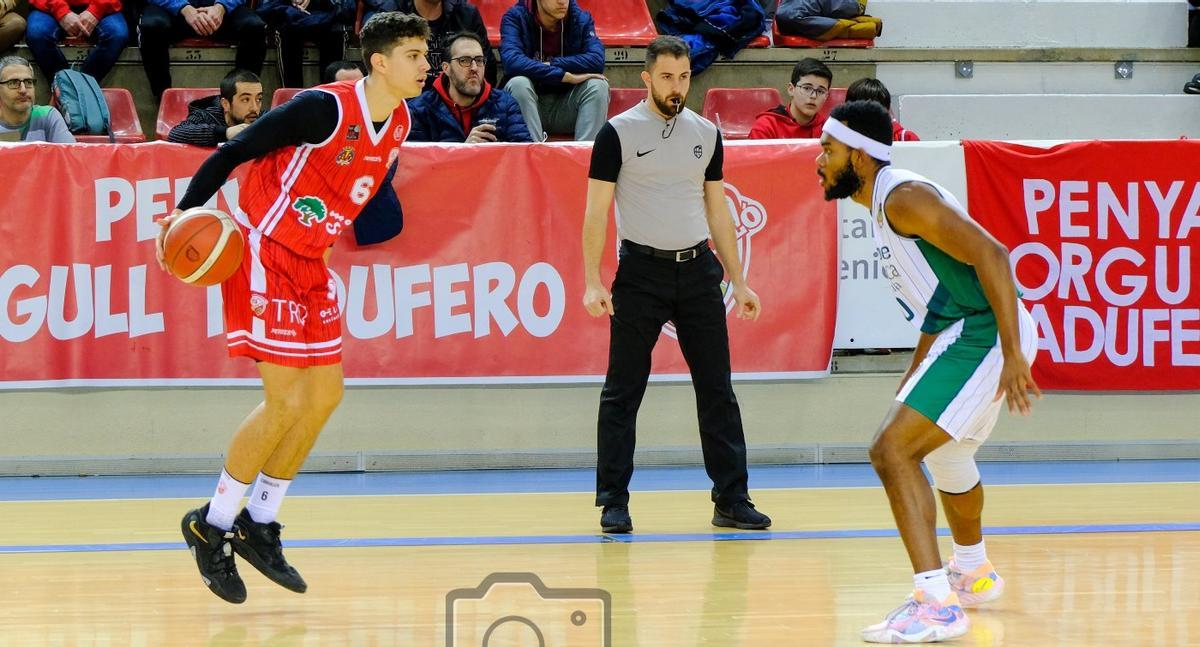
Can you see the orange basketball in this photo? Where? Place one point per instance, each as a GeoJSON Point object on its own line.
{"type": "Point", "coordinates": [203, 246]}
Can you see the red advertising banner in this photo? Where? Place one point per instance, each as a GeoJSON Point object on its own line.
{"type": "Point", "coordinates": [485, 284]}
{"type": "Point", "coordinates": [1101, 236]}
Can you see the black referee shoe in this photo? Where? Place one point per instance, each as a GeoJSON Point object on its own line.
{"type": "Point", "coordinates": [615, 518]}
{"type": "Point", "coordinates": [259, 544]}
{"type": "Point", "coordinates": [740, 515]}
{"type": "Point", "coordinates": [213, 553]}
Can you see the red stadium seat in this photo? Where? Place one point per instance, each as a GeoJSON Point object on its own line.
{"type": "Point", "coordinates": [622, 99]}
{"type": "Point", "coordinates": [760, 42]}
{"type": "Point", "coordinates": [619, 23]}
{"type": "Point", "coordinates": [123, 119]}
{"type": "Point", "coordinates": [733, 109]}
{"type": "Point", "coordinates": [837, 96]}
{"type": "Point", "coordinates": [174, 107]}
{"type": "Point", "coordinates": [283, 94]}
{"type": "Point", "coordinates": [782, 40]}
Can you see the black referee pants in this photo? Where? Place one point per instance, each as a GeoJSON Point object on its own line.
{"type": "Point", "coordinates": [647, 292]}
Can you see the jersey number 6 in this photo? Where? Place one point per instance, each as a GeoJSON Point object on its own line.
{"type": "Point", "coordinates": [361, 191]}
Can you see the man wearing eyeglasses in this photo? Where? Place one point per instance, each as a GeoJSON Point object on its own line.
{"type": "Point", "coordinates": [463, 107]}
{"type": "Point", "coordinates": [20, 120]}
{"type": "Point", "coordinates": [801, 118]}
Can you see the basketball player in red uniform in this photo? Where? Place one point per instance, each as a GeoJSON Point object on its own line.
{"type": "Point", "coordinates": [318, 161]}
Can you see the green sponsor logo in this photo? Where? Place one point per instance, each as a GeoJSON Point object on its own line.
{"type": "Point", "coordinates": [311, 209]}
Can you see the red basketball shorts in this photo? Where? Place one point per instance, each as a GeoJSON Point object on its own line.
{"type": "Point", "coordinates": [282, 308]}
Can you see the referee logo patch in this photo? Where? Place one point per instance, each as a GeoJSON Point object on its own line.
{"type": "Point", "coordinates": [698, 151]}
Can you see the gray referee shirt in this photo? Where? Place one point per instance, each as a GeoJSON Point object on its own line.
{"type": "Point", "coordinates": [660, 167]}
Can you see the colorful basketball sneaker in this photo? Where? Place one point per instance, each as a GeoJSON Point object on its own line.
{"type": "Point", "coordinates": [977, 587]}
{"type": "Point", "coordinates": [920, 620]}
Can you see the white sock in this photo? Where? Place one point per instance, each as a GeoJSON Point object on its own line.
{"type": "Point", "coordinates": [934, 583]}
{"type": "Point", "coordinates": [266, 498]}
{"type": "Point", "coordinates": [969, 558]}
{"type": "Point", "coordinates": [223, 507]}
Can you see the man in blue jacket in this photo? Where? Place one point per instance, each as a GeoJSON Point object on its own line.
{"type": "Point", "coordinates": [232, 21]}
{"type": "Point", "coordinates": [463, 106]}
{"type": "Point", "coordinates": [554, 67]}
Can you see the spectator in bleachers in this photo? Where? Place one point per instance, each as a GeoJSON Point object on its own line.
{"type": "Point", "coordinates": [554, 68]}
{"type": "Point", "coordinates": [297, 22]}
{"type": "Point", "coordinates": [875, 90]}
{"type": "Point", "coordinates": [219, 118]}
{"type": "Point", "coordinates": [165, 22]}
{"type": "Point", "coordinates": [342, 71]}
{"type": "Point", "coordinates": [20, 120]}
{"type": "Point", "coordinates": [801, 118]}
{"type": "Point", "coordinates": [827, 19]}
{"type": "Point", "coordinates": [12, 25]}
{"type": "Point", "coordinates": [98, 21]}
{"type": "Point", "coordinates": [446, 18]}
{"type": "Point", "coordinates": [463, 106]}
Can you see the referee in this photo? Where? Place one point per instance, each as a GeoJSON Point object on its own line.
{"type": "Point", "coordinates": [663, 164]}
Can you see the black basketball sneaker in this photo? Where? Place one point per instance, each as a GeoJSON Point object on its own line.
{"type": "Point", "coordinates": [259, 544]}
{"type": "Point", "coordinates": [214, 556]}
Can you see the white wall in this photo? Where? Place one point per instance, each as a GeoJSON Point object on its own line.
{"type": "Point", "coordinates": [1047, 116]}
{"type": "Point", "coordinates": [1033, 23]}
{"type": "Point", "coordinates": [1034, 78]}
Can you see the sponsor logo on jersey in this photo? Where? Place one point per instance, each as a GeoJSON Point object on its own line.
{"type": "Point", "coordinates": [353, 132]}
{"type": "Point", "coordinates": [372, 158]}
{"type": "Point", "coordinates": [258, 304]}
{"type": "Point", "coordinates": [392, 156]}
{"type": "Point", "coordinates": [311, 209]}
{"type": "Point", "coordinates": [345, 156]}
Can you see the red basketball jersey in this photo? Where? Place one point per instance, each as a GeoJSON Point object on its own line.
{"type": "Point", "coordinates": [302, 197]}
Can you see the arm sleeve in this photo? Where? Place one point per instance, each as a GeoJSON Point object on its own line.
{"type": "Point", "coordinates": [310, 118]}
{"type": "Point", "coordinates": [518, 62]}
{"type": "Point", "coordinates": [101, 8]}
{"type": "Point", "coordinates": [761, 129]}
{"type": "Point", "coordinates": [382, 217]}
{"type": "Point", "coordinates": [229, 5]}
{"type": "Point", "coordinates": [716, 166]}
{"type": "Point", "coordinates": [606, 155]}
{"type": "Point", "coordinates": [197, 132]}
{"type": "Point", "coordinates": [7, 6]}
{"type": "Point", "coordinates": [591, 59]}
{"type": "Point", "coordinates": [56, 8]}
{"type": "Point", "coordinates": [56, 129]}
{"type": "Point", "coordinates": [172, 7]}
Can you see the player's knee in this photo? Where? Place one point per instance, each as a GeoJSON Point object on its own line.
{"type": "Point", "coordinates": [953, 468]}
{"type": "Point", "coordinates": [327, 398]}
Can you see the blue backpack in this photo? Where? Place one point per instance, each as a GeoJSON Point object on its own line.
{"type": "Point", "coordinates": [78, 97]}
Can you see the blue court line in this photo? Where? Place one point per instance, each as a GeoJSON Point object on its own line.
{"type": "Point", "coordinates": [581, 480]}
{"type": "Point", "coordinates": [634, 538]}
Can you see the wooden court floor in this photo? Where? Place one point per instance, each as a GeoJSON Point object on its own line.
{"type": "Point", "coordinates": [1086, 564]}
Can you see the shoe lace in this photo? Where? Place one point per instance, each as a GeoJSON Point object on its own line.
{"type": "Point", "coordinates": [909, 605]}
{"type": "Point", "coordinates": [223, 556]}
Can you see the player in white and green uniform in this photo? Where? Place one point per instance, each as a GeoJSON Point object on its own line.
{"type": "Point", "coordinates": [977, 343]}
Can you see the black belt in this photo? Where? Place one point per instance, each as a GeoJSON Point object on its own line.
{"type": "Point", "coordinates": [677, 255]}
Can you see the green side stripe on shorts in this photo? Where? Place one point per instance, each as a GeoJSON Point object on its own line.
{"type": "Point", "coordinates": [943, 381]}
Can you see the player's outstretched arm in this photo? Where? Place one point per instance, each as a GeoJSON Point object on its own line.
{"type": "Point", "coordinates": [916, 209]}
{"type": "Point", "coordinates": [308, 119]}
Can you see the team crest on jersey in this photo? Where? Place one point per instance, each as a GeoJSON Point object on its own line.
{"type": "Point", "coordinates": [392, 155]}
{"type": "Point", "coordinates": [344, 156]}
{"type": "Point", "coordinates": [698, 151]}
{"type": "Point", "coordinates": [258, 304]}
{"type": "Point", "coordinates": [353, 133]}
{"type": "Point", "coordinates": [398, 133]}
{"type": "Point", "coordinates": [311, 209]}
